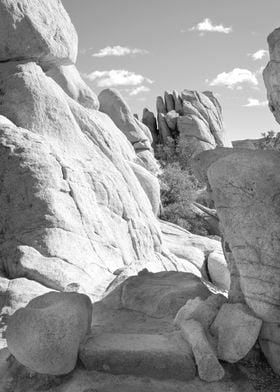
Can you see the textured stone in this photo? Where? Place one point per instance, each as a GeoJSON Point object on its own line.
{"type": "Point", "coordinates": [45, 335]}
{"type": "Point", "coordinates": [150, 121]}
{"type": "Point", "coordinates": [274, 44]}
{"type": "Point", "coordinates": [178, 102]}
{"type": "Point", "coordinates": [161, 108]}
{"type": "Point", "coordinates": [69, 79]}
{"type": "Point", "coordinates": [158, 356]}
{"type": "Point", "coordinates": [139, 135]}
{"type": "Point", "coordinates": [150, 184]}
{"type": "Point", "coordinates": [270, 344]}
{"type": "Point", "coordinates": [209, 368]}
{"type": "Point", "coordinates": [112, 103]}
{"type": "Point", "coordinates": [218, 269]}
{"type": "Point", "coordinates": [157, 294]}
{"type": "Point", "coordinates": [169, 101]}
{"type": "Point", "coordinates": [245, 187]}
{"type": "Point", "coordinates": [72, 210]}
{"type": "Point", "coordinates": [202, 311]}
{"type": "Point", "coordinates": [237, 330]}
{"type": "Point", "coordinates": [164, 131]}
{"type": "Point", "coordinates": [171, 120]}
{"type": "Point", "coordinates": [37, 29]}
{"type": "Point", "coordinates": [191, 248]}
{"type": "Point", "coordinates": [271, 76]}
{"type": "Point", "coordinates": [17, 293]}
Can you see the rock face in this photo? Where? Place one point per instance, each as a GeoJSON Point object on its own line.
{"type": "Point", "coordinates": [45, 335]}
{"type": "Point", "coordinates": [69, 79]}
{"type": "Point", "coordinates": [245, 185]}
{"type": "Point", "coordinates": [75, 203]}
{"type": "Point", "coordinates": [199, 255]}
{"type": "Point", "coordinates": [112, 103]}
{"type": "Point", "coordinates": [37, 29]}
{"type": "Point", "coordinates": [194, 119]}
{"type": "Point", "coordinates": [271, 73]}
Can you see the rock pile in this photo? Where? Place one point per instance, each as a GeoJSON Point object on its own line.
{"type": "Point", "coordinates": [193, 118]}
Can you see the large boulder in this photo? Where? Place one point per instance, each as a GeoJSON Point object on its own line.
{"type": "Point", "coordinates": [45, 335]}
{"type": "Point", "coordinates": [159, 294]}
{"type": "Point", "coordinates": [37, 29]}
{"type": "Point", "coordinates": [237, 330]}
{"type": "Point", "coordinates": [245, 187]}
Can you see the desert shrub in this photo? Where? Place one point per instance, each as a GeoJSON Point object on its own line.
{"type": "Point", "coordinates": [179, 187]}
{"type": "Point", "coordinates": [270, 141]}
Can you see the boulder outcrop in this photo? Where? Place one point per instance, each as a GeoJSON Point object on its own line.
{"type": "Point", "coordinates": [76, 203]}
{"type": "Point", "coordinates": [192, 118]}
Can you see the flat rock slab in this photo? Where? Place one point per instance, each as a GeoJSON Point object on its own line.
{"type": "Point", "coordinates": [157, 356]}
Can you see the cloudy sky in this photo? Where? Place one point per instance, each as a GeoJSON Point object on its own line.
{"type": "Point", "coordinates": [143, 47]}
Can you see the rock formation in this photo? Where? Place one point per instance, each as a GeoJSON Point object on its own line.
{"type": "Point", "coordinates": [271, 74]}
{"type": "Point", "coordinates": [194, 119]}
{"type": "Point", "coordinates": [139, 135]}
{"type": "Point", "coordinates": [77, 201]}
{"type": "Point", "coordinates": [244, 185]}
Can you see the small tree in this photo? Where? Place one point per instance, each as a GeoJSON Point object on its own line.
{"type": "Point", "coordinates": [270, 141]}
{"type": "Point", "coordinates": [178, 187]}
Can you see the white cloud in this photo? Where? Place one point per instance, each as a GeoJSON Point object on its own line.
{"type": "Point", "coordinates": [259, 54]}
{"type": "Point", "coordinates": [235, 78]}
{"type": "Point", "coordinates": [139, 89]}
{"type": "Point", "coordinates": [118, 51]}
{"type": "Point", "coordinates": [207, 26]}
{"type": "Point", "coordinates": [117, 77]}
{"type": "Point", "coordinates": [253, 102]}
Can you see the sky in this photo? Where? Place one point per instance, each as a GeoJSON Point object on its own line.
{"type": "Point", "coordinates": [144, 47]}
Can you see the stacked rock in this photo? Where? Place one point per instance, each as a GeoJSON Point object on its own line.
{"type": "Point", "coordinates": [194, 118]}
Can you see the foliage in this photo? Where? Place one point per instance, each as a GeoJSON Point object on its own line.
{"type": "Point", "coordinates": [178, 187]}
{"type": "Point", "coordinates": [270, 141]}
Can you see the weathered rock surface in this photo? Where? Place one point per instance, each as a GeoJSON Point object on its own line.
{"type": "Point", "coordinates": [73, 210]}
{"type": "Point", "coordinates": [37, 29]}
{"type": "Point", "coordinates": [271, 74]}
{"type": "Point", "coordinates": [157, 356]}
{"type": "Point", "coordinates": [139, 135]}
{"type": "Point", "coordinates": [270, 344]}
{"type": "Point", "coordinates": [157, 294]}
{"type": "Point", "coordinates": [237, 330]}
{"type": "Point", "coordinates": [203, 311]}
{"type": "Point", "coordinates": [204, 254]}
{"type": "Point", "coordinates": [209, 368]}
{"type": "Point", "coordinates": [245, 187]}
{"type": "Point", "coordinates": [45, 335]}
{"type": "Point", "coordinates": [194, 119]}
{"type": "Point", "coordinates": [69, 79]}
{"type": "Point", "coordinates": [150, 121]}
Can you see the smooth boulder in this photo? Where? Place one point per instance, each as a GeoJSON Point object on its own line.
{"type": "Point", "coordinates": [45, 335]}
